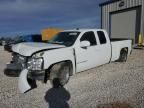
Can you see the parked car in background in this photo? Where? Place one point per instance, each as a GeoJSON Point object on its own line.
{"type": "Point", "coordinates": [19, 39]}
{"type": "Point", "coordinates": [32, 38]}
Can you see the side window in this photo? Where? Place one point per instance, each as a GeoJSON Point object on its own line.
{"type": "Point", "coordinates": [102, 37]}
{"type": "Point", "coordinates": [89, 36]}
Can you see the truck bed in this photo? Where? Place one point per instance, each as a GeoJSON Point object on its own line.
{"type": "Point", "coordinates": [117, 45]}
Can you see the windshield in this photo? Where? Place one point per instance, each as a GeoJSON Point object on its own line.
{"type": "Point", "coordinates": [64, 38]}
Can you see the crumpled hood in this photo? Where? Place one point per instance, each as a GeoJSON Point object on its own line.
{"type": "Point", "coordinates": [28, 48]}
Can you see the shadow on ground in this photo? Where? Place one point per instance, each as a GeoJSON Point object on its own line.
{"type": "Point", "coordinates": [57, 97]}
{"type": "Point", "coordinates": [115, 105]}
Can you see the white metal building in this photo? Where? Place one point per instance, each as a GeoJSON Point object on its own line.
{"type": "Point", "coordinates": [123, 18]}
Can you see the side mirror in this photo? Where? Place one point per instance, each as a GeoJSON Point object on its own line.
{"type": "Point", "coordinates": [84, 44]}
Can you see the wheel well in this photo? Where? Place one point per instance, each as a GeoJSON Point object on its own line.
{"type": "Point", "coordinates": [124, 49]}
{"type": "Point", "coordinates": [47, 72]}
{"type": "Point", "coordinates": [121, 52]}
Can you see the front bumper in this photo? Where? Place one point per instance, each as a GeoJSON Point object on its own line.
{"type": "Point", "coordinates": [13, 69]}
{"type": "Point", "coordinates": [16, 65]}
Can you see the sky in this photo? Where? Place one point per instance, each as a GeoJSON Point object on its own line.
{"type": "Point", "coordinates": [20, 17]}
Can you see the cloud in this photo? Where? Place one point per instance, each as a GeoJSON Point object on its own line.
{"type": "Point", "coordinates": [78, 23]}
{"type": "Point", "coordinates": [7, 1]}
{"type": "Point", "coordinates": [26, 15]}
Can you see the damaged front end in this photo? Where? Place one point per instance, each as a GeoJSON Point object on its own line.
{"type": "Point", "coordinates": [33, 71]}
{"type": "Point", "coordinates": [25, 84]}
{"type": "Point", "coordinates": [27, 80]}
{"type": "Point", "coordinates": [16, 65]}
{"type": "Point", "coordinates": [28, 69]}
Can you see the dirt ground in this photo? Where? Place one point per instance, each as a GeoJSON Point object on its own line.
{"type": "Point", "coordinates": [114, 85]}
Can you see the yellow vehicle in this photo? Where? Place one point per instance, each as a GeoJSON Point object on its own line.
{"type": "Point", "coordinates": [48, 33]}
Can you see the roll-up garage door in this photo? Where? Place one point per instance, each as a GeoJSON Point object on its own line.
{"type": "Point", "coordinates": [123, 25]}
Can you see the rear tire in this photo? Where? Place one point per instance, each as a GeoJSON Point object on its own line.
{"type": "Point", "coordinates": [60, 74]}
{"type": "Point", "coordinates": [123, 56]}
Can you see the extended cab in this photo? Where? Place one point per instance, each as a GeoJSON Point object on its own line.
{"type": "Point", "coordinates": [69, 52]}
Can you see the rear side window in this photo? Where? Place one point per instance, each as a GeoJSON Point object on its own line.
{"type": "Point", "coordinates": [102, 37]}
{"type": "Point", "coordinates": [89, 36]}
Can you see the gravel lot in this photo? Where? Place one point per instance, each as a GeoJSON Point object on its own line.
{"type": "Point", "coordinates": [115, 85]}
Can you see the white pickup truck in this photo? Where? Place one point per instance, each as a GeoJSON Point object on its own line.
{"type": "Point", "coordinates": [69, 52]}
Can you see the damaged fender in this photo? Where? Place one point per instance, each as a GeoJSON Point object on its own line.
{"type": "Point", "coordinates": [23, 83]}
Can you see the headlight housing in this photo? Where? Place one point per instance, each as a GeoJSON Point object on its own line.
{"type": "Point", "coordinates": [35, 63]}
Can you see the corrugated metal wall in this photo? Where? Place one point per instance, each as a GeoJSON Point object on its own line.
{"type": "Point", "coordinates": [112, 7]}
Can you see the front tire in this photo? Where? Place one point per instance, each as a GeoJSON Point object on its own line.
{"type": "Point", "coordinates": [60, 74]}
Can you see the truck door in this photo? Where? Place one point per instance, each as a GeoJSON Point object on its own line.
{"type": "Point", "coordinates": [86, 58]}
{"type": "Point", "coordinates": [104, 47]}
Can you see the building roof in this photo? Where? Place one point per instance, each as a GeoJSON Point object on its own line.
{"type": "Point", "coordinates": [108, 2]}
{"type": "Point", "coordinates": [82, 30]}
